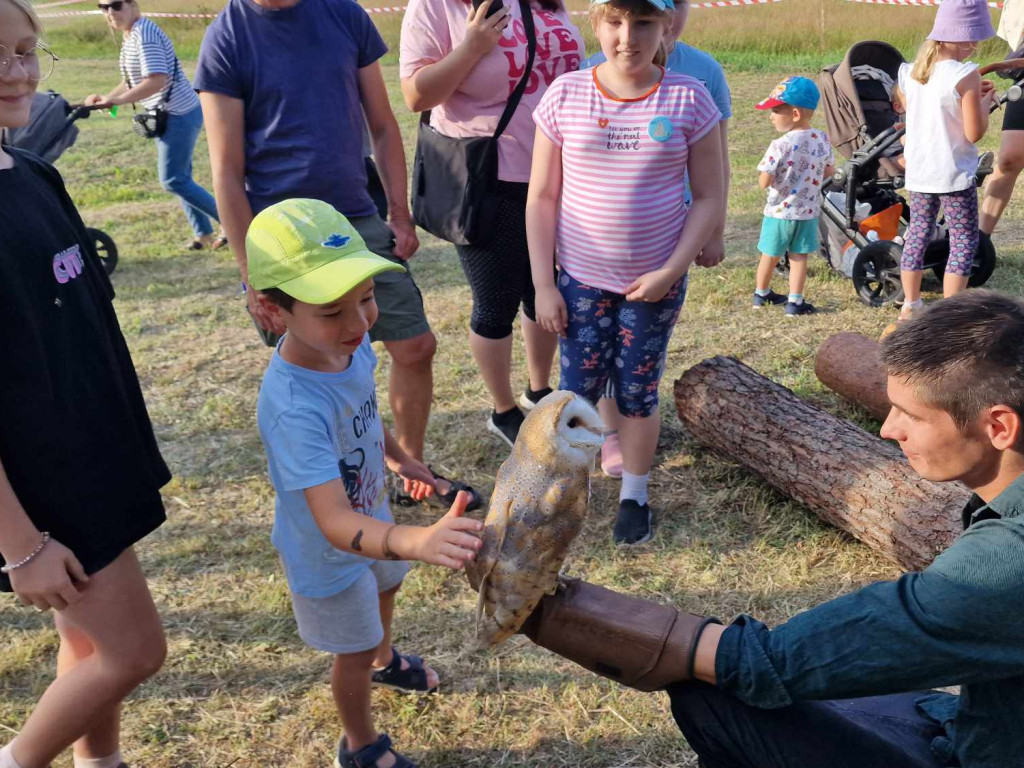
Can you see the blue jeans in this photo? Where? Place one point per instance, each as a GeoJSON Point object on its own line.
{"type": "Point", "coordinates": [876, 732]}
{"type": "Point", "coordinates": [174, 162]}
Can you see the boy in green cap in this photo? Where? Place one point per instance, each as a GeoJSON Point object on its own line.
{"type": "Point", "coordinates": [326, 449]}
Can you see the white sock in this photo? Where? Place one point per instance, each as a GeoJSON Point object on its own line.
{"type": "Point", "coordinates": [796, 298]}
{"type": "Point", "coordinates": [110, 761]}
{"type": "Point", "coordinates": [634, 487]}
{"type": "Point", "coordinates": [7, 757]}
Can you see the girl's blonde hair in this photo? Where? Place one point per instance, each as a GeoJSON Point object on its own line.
{"type": "Point", "coordinates": [925, 60]}
{"type": "Point", "coordinates": [632, 9]}
{"type": "Point", "coordinates": [26, 7]}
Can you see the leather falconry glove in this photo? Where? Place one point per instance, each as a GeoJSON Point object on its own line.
{"type": "Point", "coordinates": [630, 640]}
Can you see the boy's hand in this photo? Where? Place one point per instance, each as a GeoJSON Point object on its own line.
{"type": "Point", "coordinates": [419, 480]}
{"type": "Point", "coordinates": [49, 580]}
{"type": "Point", "coordinates": [651, 286]}
{"type": "Point", "coordinates": [449, 542]}
{"type": "Point", "coordinates": [552, 315]}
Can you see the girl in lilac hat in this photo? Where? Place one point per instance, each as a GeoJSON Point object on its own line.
{"type": "Point", "coordinates": [947, 105]}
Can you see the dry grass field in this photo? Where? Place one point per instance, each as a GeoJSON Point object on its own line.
{"type": "Point", "coordinates": [239, 688]}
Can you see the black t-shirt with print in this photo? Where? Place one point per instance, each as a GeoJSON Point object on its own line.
{"type": "Point", "coordinates": [75, 439]}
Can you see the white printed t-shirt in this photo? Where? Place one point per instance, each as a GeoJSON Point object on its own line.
{"type": "Point", "coordinates": [623, 172]}
{"type": "Point", "coordinates": [797, 160]}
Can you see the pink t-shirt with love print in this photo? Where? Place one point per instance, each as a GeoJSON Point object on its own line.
{"type": "Point", "coordinates": [431, 29]}
{"type": "Point", "coordinates": [623, 172]}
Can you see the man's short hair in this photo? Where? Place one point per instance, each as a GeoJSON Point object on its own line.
{"type": "Point", "coordinates": [963, 354]}
{"type": "Point", "coordinates": [280, 298]}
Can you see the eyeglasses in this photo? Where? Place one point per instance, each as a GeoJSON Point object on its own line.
{"type": "Point", "coordinates": [117, 5]}
{"type": "Point", "coordinates": [37, 61]}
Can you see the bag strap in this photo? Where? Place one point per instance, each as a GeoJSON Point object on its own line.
{"type": "Point", "coordinates": [517, 94]}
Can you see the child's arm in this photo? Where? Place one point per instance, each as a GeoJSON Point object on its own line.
{"type": "Point", "coordinates": [48, 579]}
{"type": "Point", "coordinates": [419, 480]}
{"type": "Point", "coordinates": [707, 183]}
{"type": "Point", "coordinates": [541, 220]}
{"type": "Point", "coordinates": [765, 179]}
{"type": "Point", "coordinates": [449, 542]}
{"type": "Point", "coordinates": [973, 107]}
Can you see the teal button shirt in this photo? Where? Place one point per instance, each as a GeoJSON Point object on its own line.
{"type": "Point", "coordinates": [958, 622]}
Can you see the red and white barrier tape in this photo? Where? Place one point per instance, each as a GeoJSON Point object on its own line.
{"type": "Point", "coordinates": [56, 4]}
{"type": "Point", "coordinates": [373, 9]}
{"type": "Point", "coordinates": [914, 2]}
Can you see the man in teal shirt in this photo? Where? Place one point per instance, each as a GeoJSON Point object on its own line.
{"type": "Point", "coordinates": [846, 684]}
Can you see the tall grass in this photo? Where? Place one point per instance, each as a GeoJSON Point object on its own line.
{"type": "Point", "coordinates": [799, 35]}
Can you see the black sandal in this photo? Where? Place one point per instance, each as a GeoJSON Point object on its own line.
{"type": "Point", "coordinates": [368, 756]}
{"type": "Point", "coordinates": [413, 679]}
{"type": "Point", "coordinates": [447, 499]}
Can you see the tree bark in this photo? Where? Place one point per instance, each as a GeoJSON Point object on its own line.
{"type": "Point", "coordinates": [849, 478]}
{"type": "Point", "coordinates": [850, 365]}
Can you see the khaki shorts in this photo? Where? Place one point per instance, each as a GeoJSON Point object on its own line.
{"type": "Point", "coordinates": [398, 297]}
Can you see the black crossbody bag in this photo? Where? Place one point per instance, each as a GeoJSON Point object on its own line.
{"type": "Point", "coordinates": [152, 123]}
{"type": "Point", "coordinates": [454, 181]}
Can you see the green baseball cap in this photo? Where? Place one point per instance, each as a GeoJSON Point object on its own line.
{"type": "Point", "coordinates": [310, 251]}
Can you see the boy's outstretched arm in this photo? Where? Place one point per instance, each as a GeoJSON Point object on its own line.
{"type": "Point", "coordinates": [449, 542]}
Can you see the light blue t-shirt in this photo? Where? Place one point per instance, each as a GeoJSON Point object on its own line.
{"type": "Point", "coordinates": [317, 427]}
{"type": "Point", "coordinates": [690, 61]}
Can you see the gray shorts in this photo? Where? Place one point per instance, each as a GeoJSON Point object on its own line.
{"type": "Point", "coordinates": [398, 297]}
{"type": "Point", "coordinates": [349, 622]}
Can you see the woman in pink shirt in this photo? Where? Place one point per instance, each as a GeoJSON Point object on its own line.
{"type": "Point", "coordinates": [462, 66]}
{"type": "Point", "coordinates": [613, 147]}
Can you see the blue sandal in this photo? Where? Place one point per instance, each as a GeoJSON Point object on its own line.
{"type": "Point", "coordinates": [410, 680]}
{"type": "Point", "coordinates": [368, 756]}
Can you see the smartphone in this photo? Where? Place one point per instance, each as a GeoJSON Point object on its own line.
{"type": "Point", "coordinates": [496, 6]}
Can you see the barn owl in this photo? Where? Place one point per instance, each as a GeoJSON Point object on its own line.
{"type": "Point", "coordinates": [537, 509]}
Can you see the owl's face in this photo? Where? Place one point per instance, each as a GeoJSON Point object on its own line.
{"type": "Point", "coordinates": [563, 428]}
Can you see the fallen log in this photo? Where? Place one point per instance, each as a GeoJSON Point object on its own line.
{"type": "Point", "coordinates": [848, 477]}
{"type": "Point", "coordinates": [850, 365]}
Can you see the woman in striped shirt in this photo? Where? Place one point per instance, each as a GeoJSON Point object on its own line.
{"type": "Point", "coordinates": [153, 77]}
{"type": "Point", "coordinates": [611, 154]}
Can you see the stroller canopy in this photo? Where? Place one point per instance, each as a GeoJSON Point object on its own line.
{"type": "Point", "coordinates": [856, 94]}
{"type": "Point", "coordinates": [48, 132]}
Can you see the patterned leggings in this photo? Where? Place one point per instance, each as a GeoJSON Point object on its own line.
{"type": "Point", "coordinates": [611, 339]}
{"type": "Point", "coordinates": [961, 210]}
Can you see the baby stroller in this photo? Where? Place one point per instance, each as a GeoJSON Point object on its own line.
{"type": "Point", "coordinates": [862, 215]}
{"type": "Point", "coordinates": [50, 131]}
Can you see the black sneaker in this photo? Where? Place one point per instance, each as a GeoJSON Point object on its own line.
{"type": "Point", "coordinates": [634, 525]}
{"type": "Point", "coordinates": [771, 299]}
{"type": "Point", "coordinates": [529, 398]}
{"type": "Point", "coordinates": [803, 308]}
{"type": "Point", "coordinates": [506, 425]}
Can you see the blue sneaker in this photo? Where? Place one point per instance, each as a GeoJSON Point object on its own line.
{"type": "Point", "coordinates": [803, 308]}
{"type": "Point", "coordinates": [771, 299]}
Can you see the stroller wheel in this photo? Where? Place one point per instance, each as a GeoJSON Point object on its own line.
{"type": "Point", "coordinates": [876, 274]}
{"type": "Point", "coordinates": [984, 265]}
{"type": "Point", "coordinates": [106, 248]}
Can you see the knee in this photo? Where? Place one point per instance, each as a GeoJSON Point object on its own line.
{"type": "Point", "coordinates": [1010, 161]}
{"type": "Point", "coordinates": [415, 352]}
{"type": "Point", "coordinates": [142, 659]}
{"type": "Point", "coordinates": [173, 184]}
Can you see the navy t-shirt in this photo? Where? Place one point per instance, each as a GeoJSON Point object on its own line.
{"type": "Point", "coordinates": [295, 69]}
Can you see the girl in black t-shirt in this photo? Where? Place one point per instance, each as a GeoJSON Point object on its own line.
{"type": "Point", "coordinates": [80, 471]}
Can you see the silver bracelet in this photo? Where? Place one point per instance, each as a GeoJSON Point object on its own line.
{"type": "Point", "coordinates": [35, 552]}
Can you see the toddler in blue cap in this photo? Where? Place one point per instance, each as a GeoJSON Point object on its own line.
{"type": "Point", "coordinates": [792, 170]}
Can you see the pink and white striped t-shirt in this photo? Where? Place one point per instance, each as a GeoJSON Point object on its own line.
{"type": "Point", "coordinates": [623, 172]}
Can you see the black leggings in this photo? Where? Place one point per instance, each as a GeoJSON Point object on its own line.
{"type": "Point", "coordinates": [499, 271]}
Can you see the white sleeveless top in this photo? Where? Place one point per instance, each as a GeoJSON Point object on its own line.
{"type": "Point", "coordinates": [939, 157]}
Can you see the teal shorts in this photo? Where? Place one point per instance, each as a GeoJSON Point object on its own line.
{"type": "Point", "coordinates": [782, 236]}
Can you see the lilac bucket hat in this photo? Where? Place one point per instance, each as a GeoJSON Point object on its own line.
{"type": "Point", "coordinates": [962, 21]}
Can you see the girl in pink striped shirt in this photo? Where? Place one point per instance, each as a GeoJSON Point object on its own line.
{"type": "Point", "coordinates": [610, 158]}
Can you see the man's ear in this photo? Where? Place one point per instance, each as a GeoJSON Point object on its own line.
{"type": "Point", "coordinates": [1002, 425]}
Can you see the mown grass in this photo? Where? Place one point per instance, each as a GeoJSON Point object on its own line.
{"type": "Point", "coordinates": [239, 688]}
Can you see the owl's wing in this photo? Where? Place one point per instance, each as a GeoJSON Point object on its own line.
{"type": "Point", "coordinates": [500, 524]}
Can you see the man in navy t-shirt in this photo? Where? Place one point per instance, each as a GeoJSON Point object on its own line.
{"type": "Point", "coordinates": [284, 86]}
